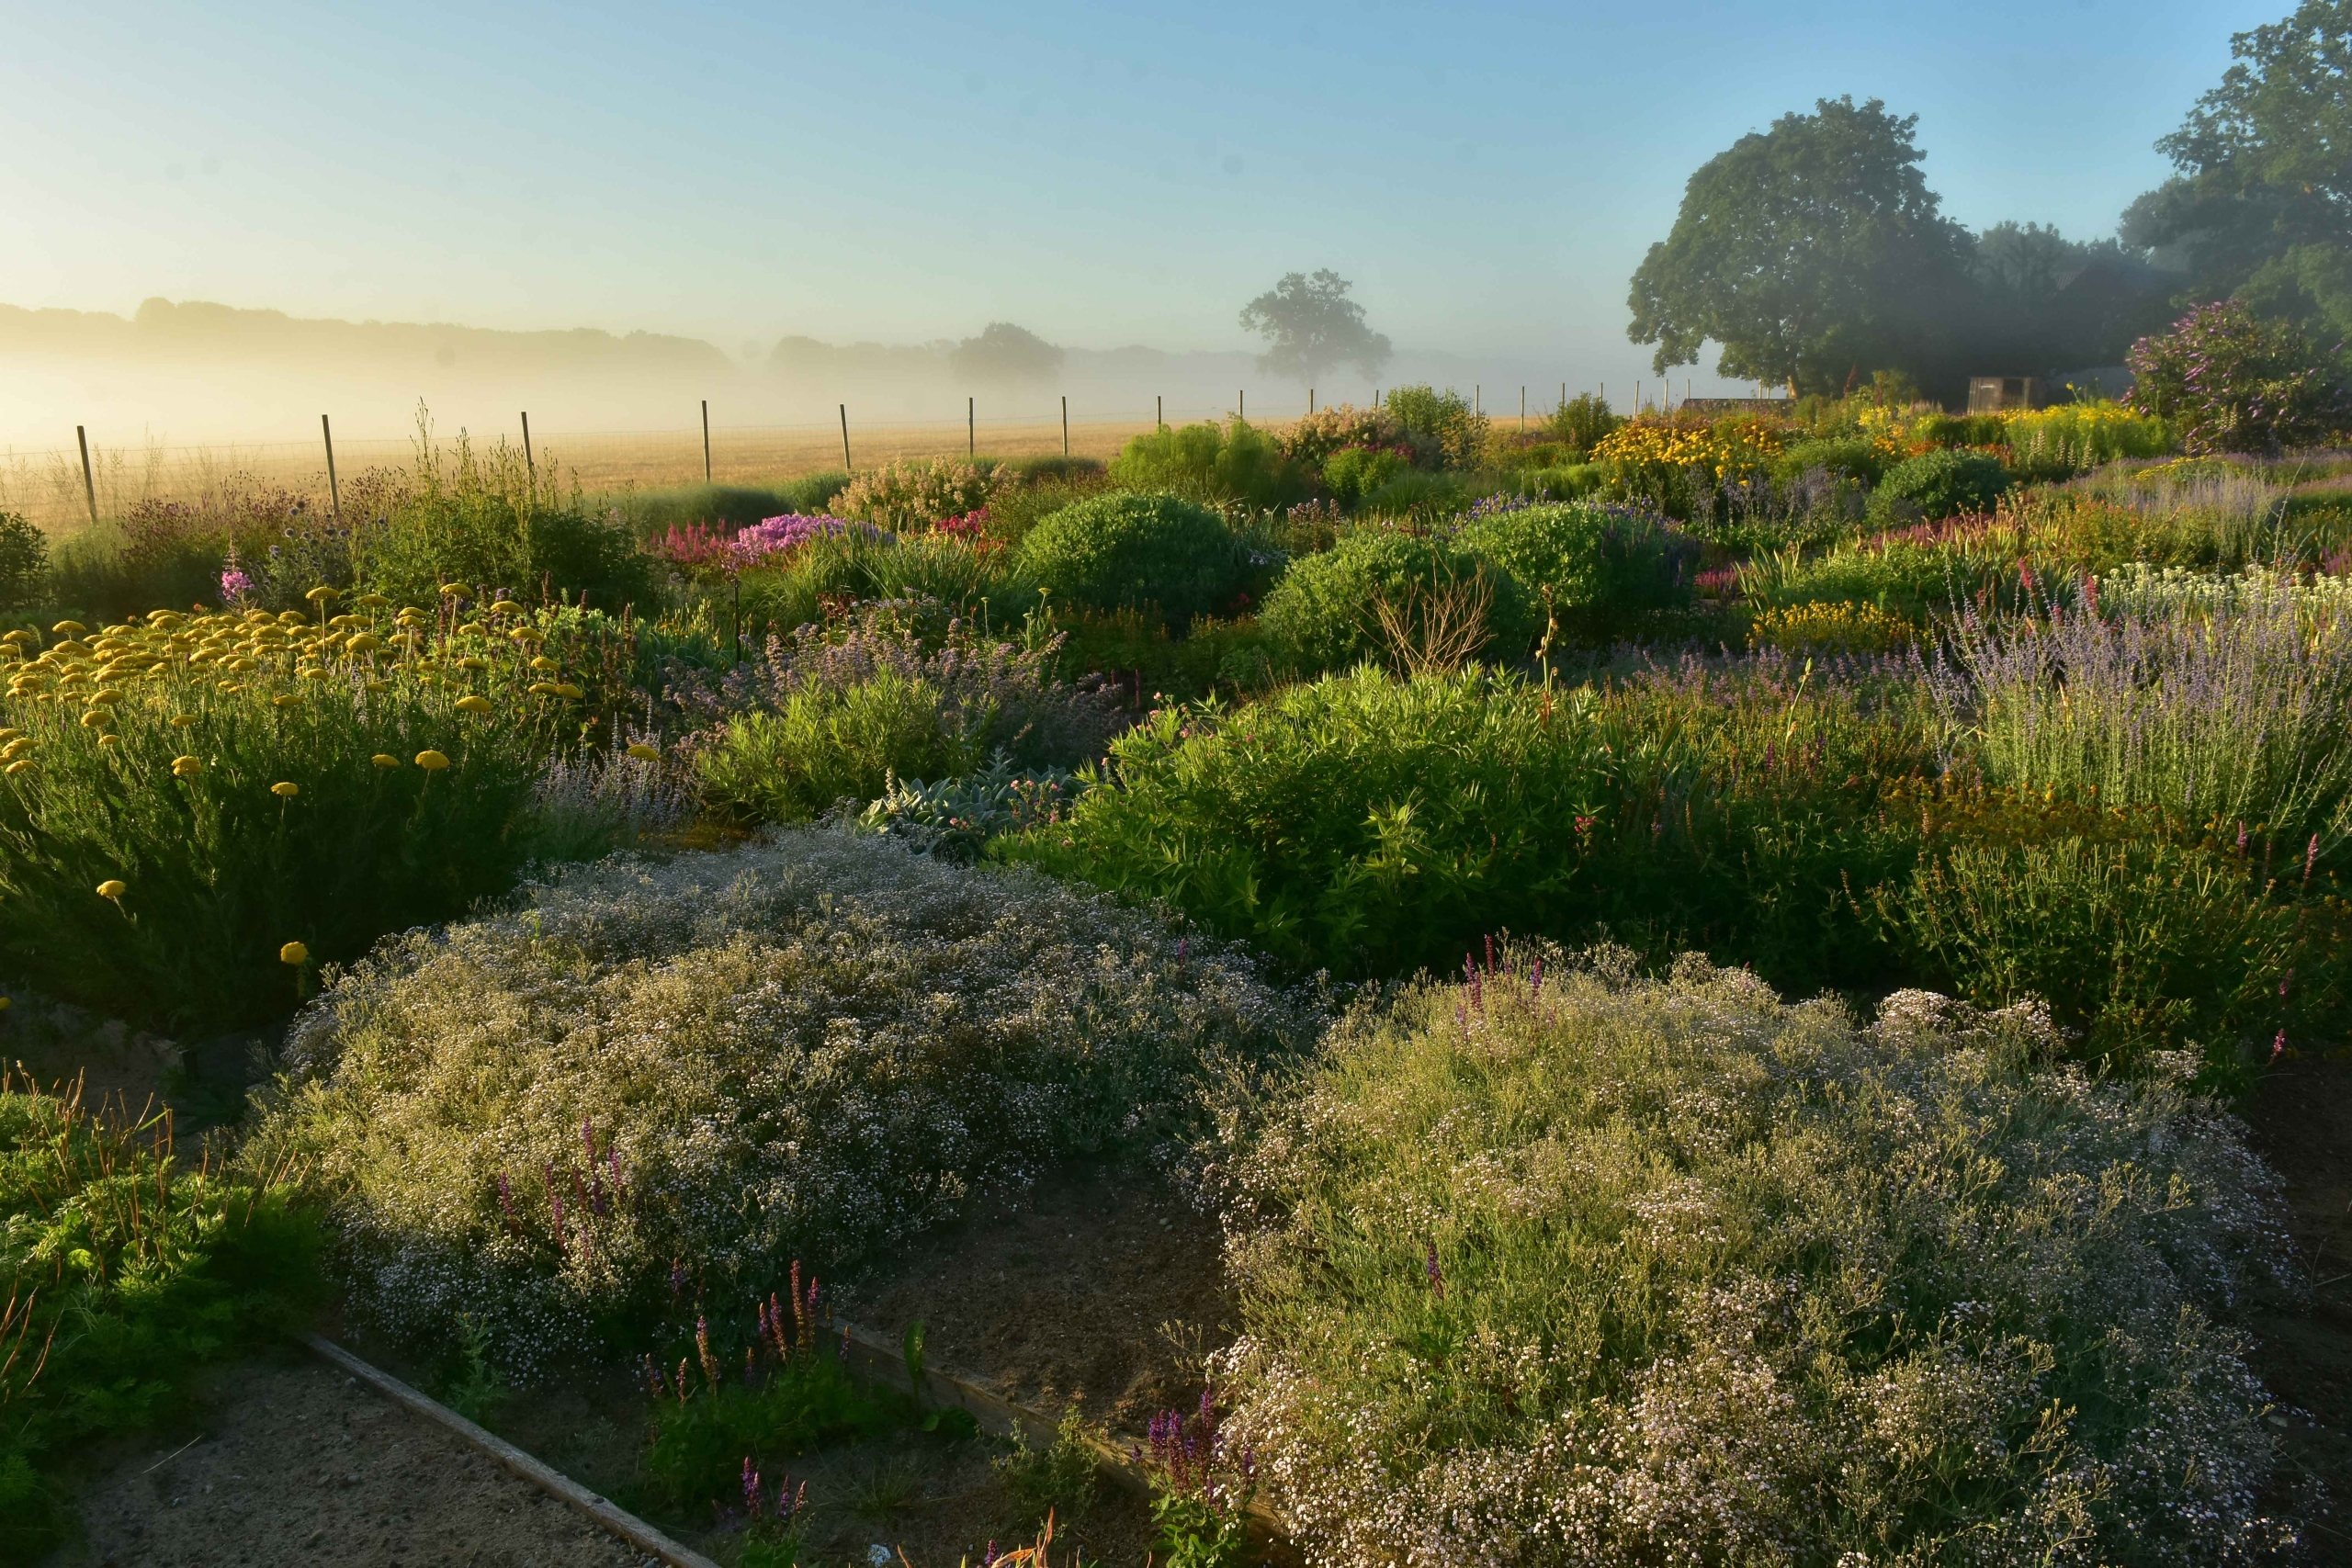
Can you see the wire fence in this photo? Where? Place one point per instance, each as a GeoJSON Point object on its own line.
{"type": "Point", "coordinates": [53, 489]}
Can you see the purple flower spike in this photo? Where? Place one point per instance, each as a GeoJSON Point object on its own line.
{"type": "Point", "coordinates": [1436, 1274]}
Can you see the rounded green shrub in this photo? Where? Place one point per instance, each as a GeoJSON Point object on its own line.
{"type": "Point", "coordinates": [1599, 562]}
{"type": "Point", "coordinates": [1937, 484]}
{"type": "Point", "coordinates": [1124, 551]}
{"type": "Point", "coordinates": [1851, 457]}
{"type": "Point", "coordinates": [1324, 613]}
{"type": "Point", "coordinates": [1354, 472]}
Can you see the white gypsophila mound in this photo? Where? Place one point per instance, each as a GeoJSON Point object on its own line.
{"type": "Point", "coordinates": [806, 1049]}
{"type": "Point", "coordinates": [1594, 1269]}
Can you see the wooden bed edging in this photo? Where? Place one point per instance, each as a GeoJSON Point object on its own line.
{"type": "Point", "coordinates": [554, 1483]}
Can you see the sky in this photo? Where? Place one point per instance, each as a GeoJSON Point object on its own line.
{"type": "Point", "coordinates": [1487, 175]}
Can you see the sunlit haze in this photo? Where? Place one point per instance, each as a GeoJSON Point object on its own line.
{"type": "Point", "coordinates": [1487, 176]}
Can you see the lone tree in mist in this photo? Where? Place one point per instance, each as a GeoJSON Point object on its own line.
{"type": "Point", "coordinates": [1807, 252]}
{"type": "Point", "coordinates": [1310, 324]}
{"type": "Point", "coordinates": [1004, 355]}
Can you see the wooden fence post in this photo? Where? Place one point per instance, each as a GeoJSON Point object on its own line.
{"type": "Point", "coordinates": [705, 441]}
{"type": "Point", "coordinates": [334, 490]}
{"type": "Point", "coordinates": [844, 435]}
{"type": "Point", "coordinates": [529, 461]}
{"type": "Point", "coordinates": [89, 485]}
{"type": "Point", "coordinates": [1065, 425]}
{"type": "Point", "coordinates": [971, 427]}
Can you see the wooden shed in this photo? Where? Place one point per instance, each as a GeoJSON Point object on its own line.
{"type": "Point", "coordinates": [1993, 394]}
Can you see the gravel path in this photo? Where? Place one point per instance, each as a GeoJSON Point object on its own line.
{"type": "Point", "coordinates": [297, 1464]}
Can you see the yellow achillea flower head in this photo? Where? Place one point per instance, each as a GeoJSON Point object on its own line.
{"type": "Point", "coordinates": [385, 760]}
{"type": "Point", "coordinates": [432, 761]}
{"type": "Point", "coordinates": [293, 953]}
{"type": "Point", "coordinates": [186, 767]}
{"type": "Point", "coordinates": [645, 753]}
{"type": "Point", "coordinates": [113, 887]}
{"type": "Point", "coordinates": [283, 700]}
{"type": "Point", "coordinates": [473, 705]}
{"type": "Point", "coordinates": [285, 791]}
{"type": "Point", "coordinates": [182, 721]}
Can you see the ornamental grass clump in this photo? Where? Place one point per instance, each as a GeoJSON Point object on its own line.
{"type": "Point", "coordinates": [1563, 1265]}
{"type": "Point", "coordinates": [808, 1047]}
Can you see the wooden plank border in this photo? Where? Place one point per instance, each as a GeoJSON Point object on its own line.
{"type": "Point", "coordinates": [554, 1483]}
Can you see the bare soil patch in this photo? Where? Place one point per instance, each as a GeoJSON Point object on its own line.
{"type": "Point", "coordinates": [1102, 1286]}
{"type": "Point", "coordinates": [295, 1464]}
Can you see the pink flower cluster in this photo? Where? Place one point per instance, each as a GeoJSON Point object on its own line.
{"type": "Point", "coordinates": [696, 545]}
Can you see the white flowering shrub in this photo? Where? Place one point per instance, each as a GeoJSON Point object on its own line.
{"type": "Point", "coordinates": [649, 1077]}
{"type": "Point", "coordinates": [1571, 1267]}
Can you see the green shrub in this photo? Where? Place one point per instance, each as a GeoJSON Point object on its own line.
{"type": "Point", "coordinates": [1126, 551]}
{"type": "Point", "coordinates": [810, 1047]}
{"type": "Point", "coordinates": [2137, 939]}
{"type": "Point", "coordinates": [97, 573]}
{"type": "Point", "coordinates": [488, 521]}
{"type": "Point", "coordinates": [1235, 461]}
{"type": "Point", "coordinates": [1354, 472]}
{"type": "Point", "coordinates": [1428, 498]}
{"type": "Point", "coordinates": [1596, 567]}
{"type": "Point", "coordinates": [141, 773]}
{"type": "Point", "coordinates": [1443, 425]}
{"type": "Point", "coordinates": [830, 714]}
{"type": "Point", "coordinates": [1607, 1270]}
{"type": "Point", "coordinates": [1373, 827]}
{"type": "Point", "coordinates": [1324, 611]}
{"type": "Point", "coordinates": [24, 564]}
{"type": "Point", "coordinates": [1579, 423]}
{"type": "Point", "coordinates": [123, 1273]}
{"type": "Point", "coordinates": [1056, 1480]}
{"type": "Point", "coordinates": [1235, 656]}
{"type": "Point", "coordinates": [1937, 484]}
{"type": "Point", "coordinates": [1850, 457]}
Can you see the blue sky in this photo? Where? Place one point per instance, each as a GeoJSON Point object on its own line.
{"type": "Point", "coordinates": [1488, 175]}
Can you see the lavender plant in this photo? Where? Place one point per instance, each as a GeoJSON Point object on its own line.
{"type": "Point", "coordinates": [1558, 1264]}
{"type": "Point", "coordinates": [2239, 716]}
{"type": "Point", "coordinates": [806, 1048]}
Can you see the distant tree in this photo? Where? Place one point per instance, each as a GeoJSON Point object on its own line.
{"type": "Point", "coordinates": [2262, 205]}
{"type": "Point", "coordinates": [1004, 355]}
{"type": "Point", "coordinates": [1810, 252]}
{"type": "Point", "coordinates": [1310, 324]}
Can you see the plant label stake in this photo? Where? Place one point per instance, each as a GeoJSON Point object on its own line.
{"type": "Point", "coordinates": [334, 490]}
{"type": "Point", "coordinates": [89, 485]}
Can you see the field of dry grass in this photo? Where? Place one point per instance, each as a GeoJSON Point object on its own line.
{"type": "Point", "coordinates": [48, 487]}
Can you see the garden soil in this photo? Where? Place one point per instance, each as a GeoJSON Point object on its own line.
{"type": "Point", "coordinates": [2302, 1125]}
{"type": "Point", "coordinates": [1102, 1287]}
{"type": "Point", "coordinates": [297, 1463]}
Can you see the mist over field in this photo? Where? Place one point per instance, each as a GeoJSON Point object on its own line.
{"type": "Point", "coordinates": [191, 373]}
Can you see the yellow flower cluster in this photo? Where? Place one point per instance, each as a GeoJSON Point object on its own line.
{"type": "Point", "coordinates": [1830, 627]}
{"type": "Point", "coordinates": [1724, 448]}
{"type": "Point", "coordinates": [74, 681]}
